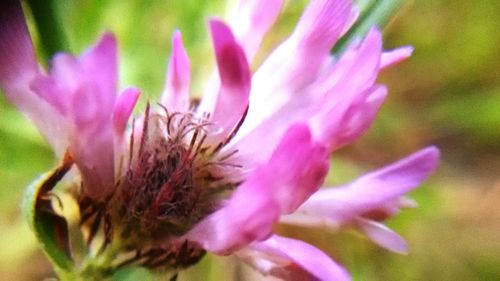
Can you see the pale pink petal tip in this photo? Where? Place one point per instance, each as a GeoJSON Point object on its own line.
{"type": "Point", "coordinates": [395, 56]}
{"type": "Point", "coordinates": [176, 93]}
{"type": "Point", "coordinates": [323, 22]}
{"type": "Point", "coordinates": [179, 67]}
{"type": "Point", "coordinates": [251, 20]}
{"type": "Point", "coordinates": [383, 236]}
{"type": "Point", "coordinates": [124, 107]}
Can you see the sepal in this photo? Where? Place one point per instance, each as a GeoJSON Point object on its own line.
{"type": "Point", "coordinates": [50, 228]}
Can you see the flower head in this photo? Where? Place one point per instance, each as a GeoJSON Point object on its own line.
{"type": "Point", "coordinates": [184, 178]}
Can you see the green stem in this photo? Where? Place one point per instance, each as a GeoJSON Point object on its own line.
{"type": "Point", "coordinates": [51, 34]}
{"type": "Point", "coordinates": [373, 12]}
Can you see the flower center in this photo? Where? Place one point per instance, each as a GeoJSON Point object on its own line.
{"type": "Point", "coordinates": [176, 176]}
{"type": "Point", "coordinates": [173, 180]}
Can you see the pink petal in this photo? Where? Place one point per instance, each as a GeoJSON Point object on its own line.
{"type": "Point", "coordinates": [84, 91]}
{"type": "Point", "coordinates": [339, 107]}
{"type": "Point", "coordinates": [345, 123]}
{"type": "Point", "coordinates": [176, 94]}
{"type": "Point", "coordinates": [100, 65]}
{"type": "Point", "coordinates": [123, 108]}
{"type": "Point", "coordinates": [298, 60]}
{"type": "Point", "coordinates": [234, 73]}
{"type": "Point", "coordinates": [292, 259]}
{"type": "Point", "coordinates": [375, 190]}
{"type": "Point", "coordinates": [322, 23]}
{"type": "Point", "coordinates": [395, 56]}
{"type": "Point", "coordinates": [295, 171]}
{"type": "Point", "coordinates": [383, 236]}
{"type": "Point", "coordinates": [251, 20]}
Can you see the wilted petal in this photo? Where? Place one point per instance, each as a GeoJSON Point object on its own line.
{"type": "Point", "coordinates": [295, 171]}
{"type": "Point", "coordinates": [292, 259]}
{"type": "Point", "coordinates": [176, 94]}
{"type": "Point", "coordinates": [339, 205]}
{"type": "Point", "coordinates": [251, 20]}
{"type": "Point", "coordinates": [395, 56]}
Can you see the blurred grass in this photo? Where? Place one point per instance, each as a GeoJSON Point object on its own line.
{"type": "Point", "coordinates": [448, 94]}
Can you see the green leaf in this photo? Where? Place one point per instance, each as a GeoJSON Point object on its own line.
{"type": "Point", "coordinates": [50, 229]}
{"type": "Point", "coordinates": [372, 13]}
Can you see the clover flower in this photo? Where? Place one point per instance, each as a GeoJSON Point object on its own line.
{"type": "Point", "coordinates": [187, 177]}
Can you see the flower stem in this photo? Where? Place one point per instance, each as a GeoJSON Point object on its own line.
{"type": "Point", "coordinates": [372, 12]}
{"type": "Point", "coordinates": [50, 32]}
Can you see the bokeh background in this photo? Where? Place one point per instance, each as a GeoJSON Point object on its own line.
{"type": "Point", "coordinates": [447, 94]}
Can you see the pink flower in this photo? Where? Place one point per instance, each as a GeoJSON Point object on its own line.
{"type": "Point", "coordinates": [218, 176]}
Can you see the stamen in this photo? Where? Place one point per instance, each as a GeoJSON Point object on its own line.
{"type": "Point", "coordinates": [232, 134]}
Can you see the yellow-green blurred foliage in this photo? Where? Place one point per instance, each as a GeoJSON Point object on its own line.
{"type": "Point", "coordinates": [447, 94]}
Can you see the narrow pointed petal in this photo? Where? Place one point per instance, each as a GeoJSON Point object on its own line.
{"type": "Point", "coordinates": [322, 23]}
{"type": "Point", "coordinates": [371, 192]}
{"type": "Point", "coordinates": [395, 56]}
{"type": "Point", "coordinates": [383, 236]}
{"type": "Point", "coordinates": [296, 170]}
{"type": "Point", "coordinates": [291, 259]}
{"type": "Point", "coordinates": [298, 60]}
{"type": "Point", "coordinates": [234, 73]}
{"type": "Point", "coordinates": [175, 97]}
{"type": "Point", "coordinates": [123, 108]}
{"type": "Point", "coordinates": [339, 108]}
{"type": "Point", "coordinates": [251, 20]}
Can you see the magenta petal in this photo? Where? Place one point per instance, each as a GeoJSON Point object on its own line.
{"type": "Point", "coordinates": [346, 122]}
{"type": "Point", "coordinates": [251, 20]}
{"type": "Point", "coordinates": [292, 259]}
{"type": "Point", "coordinates": [371, 192]}
{"type": "Point", "coordinates": [383, 236]}
{"type": "Point", "coordinates": [123, 108]}
{"type": "Point", "coordinates": [395, 56]}
{"type": "Point", "coordinates": [176, 93]}
{"type": "Point", "coordinates": [295, 170]}
{"type": "Point", "coordinates": [234, 73]}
